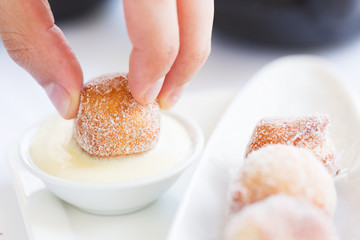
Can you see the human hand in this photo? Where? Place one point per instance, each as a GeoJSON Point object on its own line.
{"type": "Point", "coordinates": [170, 39]}
{"type": "Point", "coordinates": [35, 43]}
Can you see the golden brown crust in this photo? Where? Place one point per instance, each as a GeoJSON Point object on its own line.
{"type": "Point", "coordinates": [111, 123]}
{"type": "Point", "coordinates": [309, 132]}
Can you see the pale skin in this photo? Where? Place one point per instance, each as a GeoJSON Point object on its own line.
{"type": "Point", "coordinates": [171, 40]}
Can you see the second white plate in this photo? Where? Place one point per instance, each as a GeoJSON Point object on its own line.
{"type": "Point", "coordinates": [293, 85]}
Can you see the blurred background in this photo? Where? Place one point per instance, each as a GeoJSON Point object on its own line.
{"type": "Point", "coordinates": [247, 35]}
{"type": "Point", "coordinates": [290, 23]}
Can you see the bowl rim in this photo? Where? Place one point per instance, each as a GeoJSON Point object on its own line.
{"type": "Point", "coordinates": [191, 126]}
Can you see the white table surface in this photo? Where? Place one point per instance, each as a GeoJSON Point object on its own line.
{"type": "Point", "coordinates": [101, 45]}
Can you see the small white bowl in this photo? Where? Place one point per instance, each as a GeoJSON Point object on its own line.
{"type": "Point", "coordinates": [114, 198]}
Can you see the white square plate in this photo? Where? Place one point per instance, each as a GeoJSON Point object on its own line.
{"type": "Point", "coordinates": [294, 85]}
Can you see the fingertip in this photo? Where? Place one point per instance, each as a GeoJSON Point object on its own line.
{"type": "Point", "coordinates": [69, 115]}
{"type": "Point", "coordinates": [143, 92]}
{"type": "Point", "coordinates": [60, 98]}
{"type": "Point", "coordinates": [152, 93]}
{"type": "Point", "coordinates": [167, 102]}
{"type": "Point", "coordinates": [65, 103]}
{"type": "Point", "coordinates": [164, 104]}
{"type": "Point", "coordinates": [73, 107]}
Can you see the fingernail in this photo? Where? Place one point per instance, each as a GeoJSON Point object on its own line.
{"type": "Point", "coordinates": [152, 93]}
{"type": "Point", "coordinates": [59, 97]}
{"type": "Point", "coordinates": [172, 99]}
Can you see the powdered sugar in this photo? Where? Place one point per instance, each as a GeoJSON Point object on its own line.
{"type": "Point", "coordinates": [280, 217]}
{"type": "Point", "coordinates": [284, 169]}
{"type": "Point", "coordinates": [111, 123]}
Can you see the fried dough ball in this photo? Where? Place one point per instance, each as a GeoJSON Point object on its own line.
{"type": "Point", "coordinates": [309, 132]}
{"type": "Point", "coordinates": [280, 217]}
{"type": "Point", "coordinates": [278, 168]}
{"type": "Point", "coordinates": [111, 123]}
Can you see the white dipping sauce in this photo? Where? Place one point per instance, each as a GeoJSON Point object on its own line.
{"type": "Point", "coordinates": [54, 150]}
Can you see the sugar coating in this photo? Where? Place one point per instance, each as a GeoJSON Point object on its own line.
{"type": "Point", "coordinates": [309, 132]}
{"type": "Point", "coordinates": [110, 122]}
{"type": "Point", "coordinates": [285, 169]}
{"type": "Point", "coordinates": [280, 217]}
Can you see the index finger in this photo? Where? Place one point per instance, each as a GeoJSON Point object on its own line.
{"type": "Point", "coordinates": [195, 21]}
{"type": "Point", "coordinates": [154, 32]}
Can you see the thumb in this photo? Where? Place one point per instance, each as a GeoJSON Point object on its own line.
{"type": "Point", "coordinates": [34, 42]}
